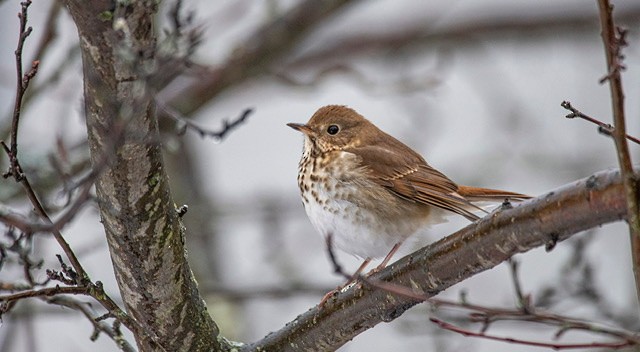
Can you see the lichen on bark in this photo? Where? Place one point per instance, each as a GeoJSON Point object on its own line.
{"type": "Point", "coordinates": [144, 233]}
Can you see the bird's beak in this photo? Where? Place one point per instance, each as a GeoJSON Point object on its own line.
{"type": "Point", "coordinates": [302, 128]}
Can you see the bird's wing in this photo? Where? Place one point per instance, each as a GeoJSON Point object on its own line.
{"type": "Point", "coordinates": [408, 175]}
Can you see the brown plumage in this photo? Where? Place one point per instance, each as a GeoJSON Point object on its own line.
{"type": "Point", "coordinates": [385, 191]}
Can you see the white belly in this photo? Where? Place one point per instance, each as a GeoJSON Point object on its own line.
{"type": "Point", "coordinates": [353, 229]}
{"type": "Point", "coordinates": [336, 205]}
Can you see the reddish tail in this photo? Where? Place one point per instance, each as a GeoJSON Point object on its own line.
{"type": "Point", "coordinates": [477, 194]}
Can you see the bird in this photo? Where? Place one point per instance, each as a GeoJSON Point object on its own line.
{"type": "Point", "coordinates": [369, 192]}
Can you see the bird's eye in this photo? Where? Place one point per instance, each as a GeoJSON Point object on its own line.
{"type": "Point", "coordinates": [333, 129]}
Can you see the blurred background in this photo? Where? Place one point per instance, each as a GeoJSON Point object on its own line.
{"type": "Point", "coordinates": [475, 87]}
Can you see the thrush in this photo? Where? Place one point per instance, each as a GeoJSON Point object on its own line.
{"type": "Point", "coordinates": [369, 191]}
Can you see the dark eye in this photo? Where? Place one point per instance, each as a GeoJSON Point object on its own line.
{"type": "Point", "coordinates": [333, 129]}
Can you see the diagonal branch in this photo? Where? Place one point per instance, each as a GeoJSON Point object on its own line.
{"type": "Point", "coordinates": [604, 128]}
{"type": "Point", "coordinates": [99, 326]}
{"type": "Point", "coordinates": [480, 246]}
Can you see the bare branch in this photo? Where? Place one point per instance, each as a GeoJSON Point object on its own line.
{"type": "Point", "coordinates": [253, 57]}
{"type": "Point", "coordinates": [523, 301]}
{"type": "Point", "coordinates": [604, 128]}
{"type": "Point", "coordinates": [99, 327]}
{"type": "Point", "coordinates": [555, 346]}
{"type": "Point", "coordinates": [22, 82]}
{"type": "Point", "coordinates": [44, 292]}
{"type": "Point", "coordinates": [227, 126]}
{"type": "Point", "coordinates": [480, 246]}
{"type": "Point", "coordinates": [614, 40]}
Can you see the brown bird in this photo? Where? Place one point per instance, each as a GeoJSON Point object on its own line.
{"type": "Point", "coordinates": [369, 191]}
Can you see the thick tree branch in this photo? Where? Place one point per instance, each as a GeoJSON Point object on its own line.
{"type": "Point", "coordinates": [614, 40]}
{"type": "Point", "coordinates": [480, 246]}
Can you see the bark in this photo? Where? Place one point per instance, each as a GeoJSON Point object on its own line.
{"type": "Point", "coordinates": [144, 233]}
{"type": "Point", "coordinates": [480, 246]}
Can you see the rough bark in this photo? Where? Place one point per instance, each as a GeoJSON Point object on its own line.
{"type": "Point", "coordinates": [144, 233]}
{"type": "Point", "coordinates": [480, 246]}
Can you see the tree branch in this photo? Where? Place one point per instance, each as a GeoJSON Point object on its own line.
{"type": "Point", "coordinates": [552, 345]}
{"type": "Point", "coordinates": [604, 128]}
{"type": "Point", "coordinates": [43, 292]}
{"type": "Point", "coordinates": [254, 56]}
{"type": "Point", "coordinates": [217, 135]}
{"type": "Point", "coordinates": [480, 246]}
{"type": "Point", "coordinates": [614, 40]}
{"type": "Point", "coordinates": [99, 326]}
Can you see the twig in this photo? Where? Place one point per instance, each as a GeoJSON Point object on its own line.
{"type": "Point", "coordinates": [523, 301]}
{"type": "Point", "coordinates": [604, 128]}
{"type": "Point", "coordinates": [614, 40]}
{"type": "Point", "coordinates": [98, 325]}
{"type": "Point", "coordinates": [48, 291]}
{"type": "Point", "coordinates": [488, 315]}
{"type": "Point", "coordinates": [43, 46]}
{"type": "Point", "coordinates": [227, 126]}
{"type": "Point", "coordinates": [556, 346]}
{"type": "Point", "coordinates": [22, 82]}
{"type": "Point", "coordinates": [7, 217]}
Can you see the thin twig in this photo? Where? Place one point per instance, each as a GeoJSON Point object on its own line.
{"type": "Point", "coordinates": [48, 291]}
{"type": "Point", "coordinates": [98, 325]}
{"type": "Point", "coordinates": [488, 315]}
{"type": "Point", "coordinates": [227, 126]}
{"type": "Point", "coordinates": [15, 170]}
{"type": "Point", "coordinates": [523, 300]}
{"type": "Point", "coordinates": [22, 82]}
{"type": "Point", "coordinates": [556, 346]}
{"type": "Point", "coordinates": [604, 128]}
{"type": "Point", "coordinates": [614, 40]}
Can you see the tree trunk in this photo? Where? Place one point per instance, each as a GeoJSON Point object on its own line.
{"type": "Point", "coordinates": [144, 232]}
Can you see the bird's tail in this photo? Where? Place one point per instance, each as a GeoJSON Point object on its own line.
{"type": "Point", "coordinates": [477, 194]}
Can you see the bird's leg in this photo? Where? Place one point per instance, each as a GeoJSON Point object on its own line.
{"type": "Point", "coordinates": [355, 275]}
{"type": "Point", "coordinates": [361, 268]}
{"type": "Point", "coordinates": [353, 278]}
{"type": "Point", "coordinates": [386, 259]}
